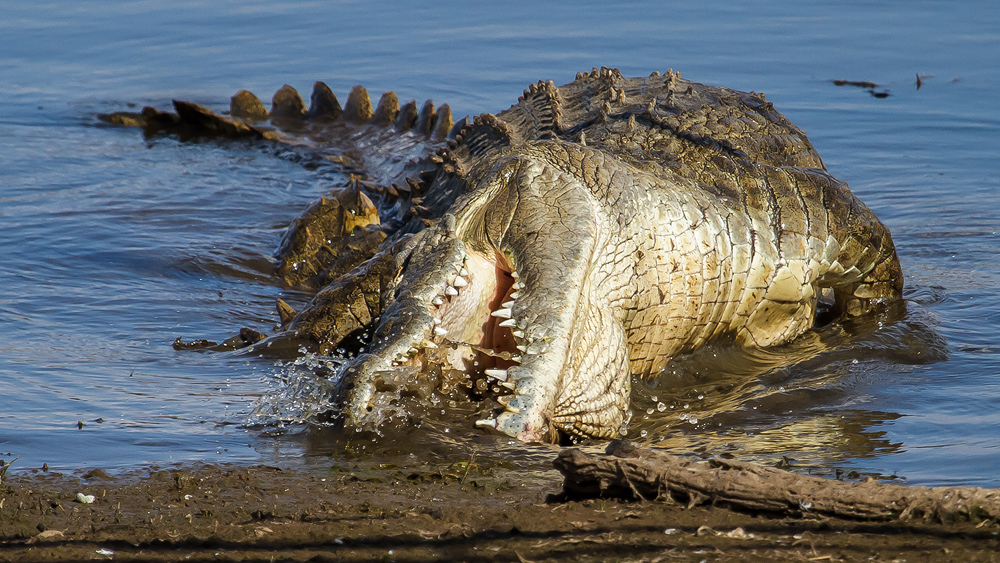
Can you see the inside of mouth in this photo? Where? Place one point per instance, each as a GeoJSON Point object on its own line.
{"type": "Point", "coordinates": [485, 283]}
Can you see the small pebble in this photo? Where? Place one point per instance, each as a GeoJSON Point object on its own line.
{"type": "Point", "coordinates": [84, 499]}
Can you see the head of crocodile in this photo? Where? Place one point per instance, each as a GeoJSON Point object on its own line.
{"type": "Point", "coordinates": [584, 236]}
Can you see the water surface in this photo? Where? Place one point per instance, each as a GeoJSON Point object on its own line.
{"type": "Point", "coordinates": [114, 246]}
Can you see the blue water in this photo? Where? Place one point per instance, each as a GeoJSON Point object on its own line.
{"type": "Point", "coordinates": [113, 246]}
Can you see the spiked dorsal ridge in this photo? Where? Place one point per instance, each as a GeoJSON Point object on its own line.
{"type": "Point", "coordinates": [484, 133]}
{"type": "Point", "coordinates": [387, 110]}
{"type": "Point", "coordinates": [425, 119]}
{"type": "Point", "coordinates": [407, 116]}
{"type": "Point", "coordinates": [323, 104]}
{"type": "Point", "coordinates": [247, 106]}
{"type": "Point", "coordinates": [443, 124]}
{"type": "Point", "coordinates": [287, 104]}
{"type": "Point", "coordinates": [359, 105]}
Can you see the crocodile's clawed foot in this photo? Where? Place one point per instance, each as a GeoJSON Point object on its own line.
{"type": "Point", "coordinates": [246, 337]}
{"type": "Point", "coordinates": [524, 416]}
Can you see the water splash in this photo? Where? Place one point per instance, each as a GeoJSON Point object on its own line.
{"type": "Point", "coordinates": [299, 392]}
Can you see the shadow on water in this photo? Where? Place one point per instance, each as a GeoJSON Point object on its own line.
{"type": "Point", "coordinates": [801, 403]}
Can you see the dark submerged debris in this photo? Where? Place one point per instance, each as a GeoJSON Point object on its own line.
{"type": "Point", "coordinates": [869, 86]}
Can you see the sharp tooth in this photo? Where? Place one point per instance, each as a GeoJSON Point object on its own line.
{"type": "Point", "coordinates": [516, 358]}
{"type": "Point", "coordinates": [429, 344]}
{"type": "Point", "coordinates": [489, 422]}
{"type": "Point", "coordinates": [437, 320]}
{"type": "Point", "coordinates": [509, 322]}
{"type": "Point", "coordinates": [412, 351]}
{"type": "Point", "coordinates": [463, 272]}
{"type": "Point", "coordinates": [450, 291]}
{"type": "Point", "coordinates": [508, 384]}
{"type": "Point", "coordinates": [514, 275]}
{"type": "Point", "coordinates": [515, 295]}
{"type": "Point", "coordinates": [517, 286]}
{"type": "Point", "coordinates": [505, 401]}
{"type": "Point", "coordinates": [519, 333]}
{"type": "Point", "coordinates": [500, 374]}
{"type": "Point", "coordinates": [509, 304]}
{"type": "Point", "coordinates": [502, 313]}
{"type": "Point", "coordinates": [437, 301]}
{"type": "Point", "coordinates": [522, 347]}
{"type": "Point", "coordinates": [440, 331]}
{"type": "Point", "coordinates": [460, 282]}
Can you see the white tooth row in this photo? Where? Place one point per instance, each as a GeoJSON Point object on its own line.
{"type": "Point", "coordinates": [451, 290]}
{"type": "Point", "coordinates": [506, 312]}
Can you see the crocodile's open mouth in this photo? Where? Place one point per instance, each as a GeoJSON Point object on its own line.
{"type": "Point", "coordinates": [473, 318]}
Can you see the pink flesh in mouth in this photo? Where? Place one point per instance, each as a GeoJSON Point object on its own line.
{"type": "Point", "coordinates": [467, 316]}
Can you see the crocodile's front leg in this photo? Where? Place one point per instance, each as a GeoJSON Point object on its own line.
{"type": "Point", "coordinates": [351, 303]}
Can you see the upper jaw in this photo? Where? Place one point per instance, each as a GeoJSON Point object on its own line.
{"type": "Point", "coordinates": [407, 326]}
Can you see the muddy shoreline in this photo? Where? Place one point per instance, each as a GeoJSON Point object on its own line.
{"type": "Point", "coordinates": [458, 512]}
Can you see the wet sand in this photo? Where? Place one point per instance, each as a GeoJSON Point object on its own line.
{"type": "Point", "coordinates": [461, 512]}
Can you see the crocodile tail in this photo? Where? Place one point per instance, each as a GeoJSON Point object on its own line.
{"type": "Point", "coordinates": [248, 117]}
{"type": "Point", "coordinates": [323, 104]}
{"type": "Point", "coordinates": [387, 111]}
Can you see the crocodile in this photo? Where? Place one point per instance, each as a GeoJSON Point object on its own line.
{"type": "Point", "coordinates": [553, 251]}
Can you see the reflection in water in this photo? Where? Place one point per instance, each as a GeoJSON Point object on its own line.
{"type": "Point", "coordinates": [802, 401]}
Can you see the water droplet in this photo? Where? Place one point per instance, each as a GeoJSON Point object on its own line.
{"type": "Point", "coordinates": [661, 407]}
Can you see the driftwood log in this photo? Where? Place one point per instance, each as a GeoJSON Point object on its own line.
{"type": "Point", "coordinates": [630, 472]}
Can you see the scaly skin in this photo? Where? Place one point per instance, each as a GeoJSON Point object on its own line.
{"type": "Point", "coordinates": [587, 235]}
{"type": "Point", "coordinates": [621, 270]}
